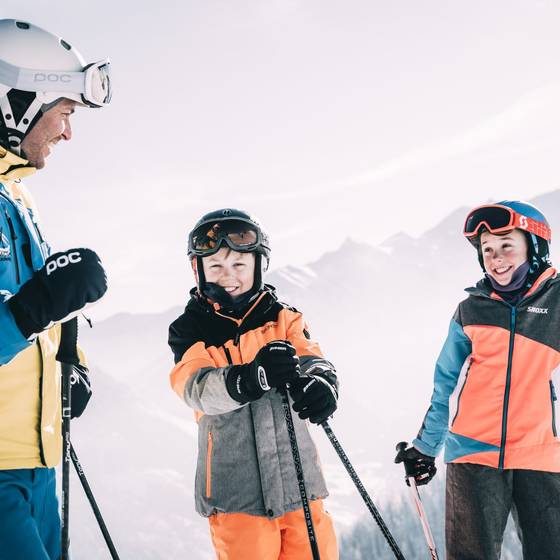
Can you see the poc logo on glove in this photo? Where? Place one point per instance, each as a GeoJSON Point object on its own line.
{"type": "Point", "coordinates": [62, 261]}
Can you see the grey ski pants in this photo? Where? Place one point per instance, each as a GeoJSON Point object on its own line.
{"type": "Point", "coordinates": [477, 504]}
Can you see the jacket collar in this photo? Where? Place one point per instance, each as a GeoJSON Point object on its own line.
{"type": "Point", "coordinates": [267, 296]}
{"type": "Point", "coordinates": [481, 288]}
{"type": "Point", "coordinates": [13, 167]}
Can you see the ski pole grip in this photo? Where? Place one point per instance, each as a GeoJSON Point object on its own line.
{"type": "Point", "coordinates": [67, 350]}
{"type": "Point", "coordinates": [401, 446]}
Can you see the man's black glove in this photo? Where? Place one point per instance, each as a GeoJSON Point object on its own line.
{"type": "Point", "coordinates": [80, 390]}
{"type": "Point", "coordinates": [314, 397]}
{"type": "Point", "coordinates": [421, 467]}
{"type": "Point", "coordinates": [65, 285]}
{"type": "Point", "coordinates": [275, 365]}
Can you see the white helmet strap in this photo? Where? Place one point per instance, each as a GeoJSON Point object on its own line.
{"type": "Point", "coordinates": [22, 126]}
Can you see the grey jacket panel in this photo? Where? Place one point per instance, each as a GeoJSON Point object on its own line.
{"type": "Point", "coordinates": [206, 391]}
{"type": "Point", "coordinates": [249, 465]}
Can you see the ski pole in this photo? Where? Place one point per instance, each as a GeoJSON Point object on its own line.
{"type": "Point", "coordinates": [299, 474]}
{"type": "Point", "coordinates": [363, 492]}
{"type": "Point", "coordinates": [411, 483]}
{"type": "Point", "coordinates": [93, 503]}
{"type": "Point", "coordinates": [67, 355]}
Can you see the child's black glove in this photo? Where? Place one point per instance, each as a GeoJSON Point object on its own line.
{"type": "Point", "coordinates": [274, 366]}
{"type": "Point", "coordinates": [421, 467]}
{"type": "Point", "coordinates": [314, 398]}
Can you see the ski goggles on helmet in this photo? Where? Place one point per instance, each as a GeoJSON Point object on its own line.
{"type": "Point", "coordinates": [238, 235]}
{"type": "Point", "coordinates": [499, 219]}
{"type": "Point", "coordinates": [90, 86]}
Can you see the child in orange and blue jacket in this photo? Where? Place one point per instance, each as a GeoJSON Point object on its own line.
{"type": "Point", "coordinates": [236, 347]}
{"type": "Point", "coordinates": [494, 398]}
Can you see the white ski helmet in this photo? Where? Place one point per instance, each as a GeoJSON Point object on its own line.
{"type": "Point", "coordinates": [37, 69]}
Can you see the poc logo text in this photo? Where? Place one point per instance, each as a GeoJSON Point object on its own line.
{"type": "Point", "coordinates": [62, 261]}
{"type": "Point", "coordinates": [52, 78]}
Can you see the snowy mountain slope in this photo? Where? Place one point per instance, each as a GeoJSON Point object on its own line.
{"type": "Point", "coordinates": [380, 314]}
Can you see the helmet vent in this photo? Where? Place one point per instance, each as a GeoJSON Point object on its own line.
{"type": "Point", "coordinates": [65, 45]}
{"type": "Point", "coordinates": [22, 25]}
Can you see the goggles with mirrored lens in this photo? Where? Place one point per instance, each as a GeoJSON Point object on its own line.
{"type": "Point", "coordinates": [236, 234]}
{"type": "Point", "coordinates": [499, 219]}
{"type": "Point", "coordinates": [90, 86]}
{"type": "Point", "coordinates": [97, 91]}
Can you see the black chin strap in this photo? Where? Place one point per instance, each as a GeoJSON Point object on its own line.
{"type": "Point", "coordinates": [232, 306]}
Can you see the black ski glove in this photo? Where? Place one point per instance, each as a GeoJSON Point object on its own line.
{"type": "Point", "coordinates": [80, 390]}
{"type": "Point", "coordinates": [275, 365]}
{"type": "Point", "coordinates": [421, 467]}
{"type": "Point", "coordinates": [314, 398]}
{"type": "Point", "coordinates": [65, 285]}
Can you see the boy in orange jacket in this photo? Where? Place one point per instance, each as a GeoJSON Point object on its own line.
{"type": "Point", "coordinates": [236, 346]}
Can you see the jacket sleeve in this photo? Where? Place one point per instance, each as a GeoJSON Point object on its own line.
{"type": "Point", "coordinates": [456, 349]}
{"type": "Point", "coordinates": [310, 356]}
{"type": "Point", "coordinates": [196, 378]}
{"type": "Point", "coordinates": [12, 342]}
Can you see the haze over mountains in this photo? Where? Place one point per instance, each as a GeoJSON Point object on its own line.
{"type": "Point", "coordinates": [380, 314]}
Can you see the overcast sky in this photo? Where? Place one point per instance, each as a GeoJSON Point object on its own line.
{"type": "Point", "coordinates": [326, 119]}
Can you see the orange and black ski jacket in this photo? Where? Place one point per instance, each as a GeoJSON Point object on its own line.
{"type": "Point", "coordinates": [494, 399]}
{"type": "Point", "coordinates": [245, 462]}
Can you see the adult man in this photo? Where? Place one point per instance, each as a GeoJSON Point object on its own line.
{"type": "Point", "coordinates": [42, 80]}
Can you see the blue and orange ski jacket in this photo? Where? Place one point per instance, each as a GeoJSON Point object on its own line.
{"type": "Point", "coordinates": [494, 399]}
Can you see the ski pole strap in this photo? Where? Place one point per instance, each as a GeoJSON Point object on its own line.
{"type": "Point", "coordinates": [363, 492]}
{"type": "Point", "coordinates": [299, 475]}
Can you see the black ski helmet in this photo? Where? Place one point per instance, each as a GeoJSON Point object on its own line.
{"type": "Point", "coordinates": [226, 220]}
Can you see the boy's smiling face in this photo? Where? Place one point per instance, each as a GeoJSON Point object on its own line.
{"type": "Point", "coordinates": [503, 254]}
{"type": "Point", "coordinates": [233, 271]}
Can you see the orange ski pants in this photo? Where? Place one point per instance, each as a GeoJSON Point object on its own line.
{"type": "Point", "coordinates": [240, 536]}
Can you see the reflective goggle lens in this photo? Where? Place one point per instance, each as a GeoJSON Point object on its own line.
{"type": "Point", "coordinates": [237, 235]}
{"type": "Point", "coordinates": [98, 84]}
{"type": "Point", "coordinates": [494, 217]}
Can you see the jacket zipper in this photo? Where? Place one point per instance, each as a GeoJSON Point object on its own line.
{"type": "Point", "coordinates": [209, 465]}
{"type": "Point", "coordinates": [507, 390]}
{"type": "Point", "coordinates": [553, 401]}
{"type": "Point", "coordinates": [14, 239]}
{"type": "Point", "coordinates": [228, 355]}
{"type": "Point", "coordinates": [40, 429]}
{"type": "Point", "coordinates": [461, 391]}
